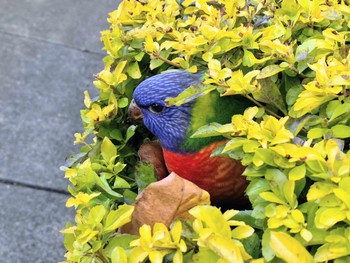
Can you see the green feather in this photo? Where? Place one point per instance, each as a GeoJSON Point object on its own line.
{"type": "Point", "coordinates": [211, 108]}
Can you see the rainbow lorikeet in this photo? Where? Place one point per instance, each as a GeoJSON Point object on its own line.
{"type": "Point", "coordinates": [190, 157]}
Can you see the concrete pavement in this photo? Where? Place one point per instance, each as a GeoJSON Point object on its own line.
{"type": "Point", "coordinates": [49, 51]}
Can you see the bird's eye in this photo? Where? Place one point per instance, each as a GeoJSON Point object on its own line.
{"type": "Point", "coordinates": [156, 108]}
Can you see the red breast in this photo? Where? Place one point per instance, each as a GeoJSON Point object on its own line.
{"type": "Point", "coordinates": [220, 176]}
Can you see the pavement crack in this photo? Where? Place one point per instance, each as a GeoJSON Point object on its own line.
{"type": "Point", "coordinates": [34, 187]}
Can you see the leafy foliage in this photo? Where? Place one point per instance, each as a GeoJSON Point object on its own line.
{"type": "Point", "coordinates": [291, 58]}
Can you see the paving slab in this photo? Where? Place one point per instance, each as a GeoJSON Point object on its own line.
{"type": "Point", "coordinates": [74, 23]}
{"type": "Point", "coordinates": [41, 94]}
{"type": "Point", "coordinates": [49, 52]}
{"type": "Point", "coordinates": [43, 74]}
{"type": "Point", "coordinates": [31, 233]}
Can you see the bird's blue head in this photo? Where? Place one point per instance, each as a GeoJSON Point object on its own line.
{"type": "Point", "coordinates": [168, 123]}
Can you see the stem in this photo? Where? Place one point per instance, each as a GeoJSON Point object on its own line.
{"type": "Point", "coordinates": [100, 256]}
{"type": "Point", "coordinates": [158, 56]}
{"type": "Point", "coordinates": [294, 69]}
{"type": "Point", "coordinates": [262, 106]}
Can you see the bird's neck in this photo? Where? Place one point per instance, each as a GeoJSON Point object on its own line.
{"type": "Point", "coordinates": [208, 109]}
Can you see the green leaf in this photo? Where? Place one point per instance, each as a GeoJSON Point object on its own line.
{"type": "Point", "coordinates": [256, 187]}
{"type": "Point", "coordinates": [315, 133]}
{"type": "Point", "coordinates": [155, 63]}
{"type": "Point", "coordinates": [96, 214]}
{"type": "Point", "coordinates": [262, 156]}
{"type": "Point", "coordinates": [289, 249]}
{"type": "Point", "coordinates": [267, 251]}
{"type": "Point", "coordinates": [190, 94]}
{"type": "Point", "coordinates": [288, 190]}
{"type": "Point", "coordinates": [317, 166]}
{"type": "Point", "coordinates": [102, 183]}
{"type": "Point", "coordinates": [74, 158]}
{"type": "Point", "coordinates": [133, 70]}
{"type": "Point", "coordinates": [296, 125]}
{"type": "Point", "coordinates": [293, 94]}
{"type": "Point", "coordinates": [269, 71]}
{"type": "Point", "coordinates": [123, 102]}
{"type": "Point", "coordinates": [118, 167]}
{"type": "Point", "coordinates": [252, 245]}
{"type": "Point", "coordinates": [207, 130]}
{"type": "Point", "coordinates": [129, 197]}
{"type": "Point", "coordinates": [144, 175]}
{"type": "Point", "coordinates": [341, 131]}
{"type": "Point", "coordinates": [205, 255]}
{"type": "Point", "coordinates": [246, 217]}
{"type": "Point", "coordinates": [269, 93]}
{"type": "Point", "coordinates": [116, 134]}
{"type": "Point", "coordinates": [305, 49]}
{"type": "Point", "coordinates": [338, 110]}
{"type": "Point", "coordinates": [130, 132]}
{"type": "Point", "coordinates": [122, 241]}
{"type": "Point", "coordinates": [120, 183]}
{"type": "Point", "coordinates": [139, 56]}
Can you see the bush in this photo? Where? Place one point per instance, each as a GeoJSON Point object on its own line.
{"type": "Point", "coordinates": [291, 58]}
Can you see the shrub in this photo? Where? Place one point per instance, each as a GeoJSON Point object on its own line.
{"type": "Point", "coordinates": [291, 58]}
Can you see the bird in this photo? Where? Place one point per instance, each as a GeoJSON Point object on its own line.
{"type": "Point", "coordinates": [174, 126]}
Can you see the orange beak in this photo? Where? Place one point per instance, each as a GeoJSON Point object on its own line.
{"type": "Point", "coordinates": [135, 112]}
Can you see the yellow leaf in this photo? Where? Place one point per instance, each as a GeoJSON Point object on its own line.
{"type": "Point", "coordinates": [176, 231]}
{"type": "Point", "coordinates": [241, 232]}
{"type": "Point", "coordinates": [271, 197]}
{"type": "Point", "coordinates": [212, 219]}
{"type": "Point", "coordinates": [119, 255]}
{"type": "Point", "coordinates": [86, 236]}
{"type": "Point", "coordinates": [249, 59]}
{"type": "Point", "coordinates": [137, 254]}
{"type": "Point", "coordinates": [81, 199]}
{"type": "Point", "coordinates": [150, 46]}
{"type": "Point", "coordinates": [269, 71]}
{"type": "Point", "coordinates": [332, 34]}
{"type": "Point", "coordinates": [297, 173]}
{"type": "Point", "coordinates": [198, 41]}
{"type": "Point", "coordinates": [108, 149]}
{"type": "Point", "coordinates": [289, 249]}
{"type": "Point", "coordinates": [117, 218]}
{"type": "Point", "coordinates": [327, 217]}
{"type": "Point", "coordinates": [87, 99]}
{"type": "Point", "coordinates": [224, 247]}
{"type": "Point", "coordinates": [306, 234]}
{"type": "Point", "coordinates": [118, 74]}
{"type": "Point", "coordinates": [242, 84]}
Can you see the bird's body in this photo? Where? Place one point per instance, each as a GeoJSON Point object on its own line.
{"type": "Point", "coordinates": [174, 125]}
{"type": "Point", "coordinates": [220, 176]}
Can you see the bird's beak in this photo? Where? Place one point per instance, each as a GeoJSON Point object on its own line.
{"type": "Point", "coordinates": [135, 112]}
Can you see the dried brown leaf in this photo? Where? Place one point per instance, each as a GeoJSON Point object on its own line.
{"type": "Point", "coordinates": [164, 201]}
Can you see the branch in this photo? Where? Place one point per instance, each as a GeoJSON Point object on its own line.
{"type": "Point", "coordinates": [158, 56]}
{"type": "Point", "coordinates": [100, 256]}
{"type": "Point", "coordinates": [262, 106]}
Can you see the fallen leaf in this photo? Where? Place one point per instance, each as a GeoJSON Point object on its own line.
{"type": "Point", "coordinates": [164, 201]}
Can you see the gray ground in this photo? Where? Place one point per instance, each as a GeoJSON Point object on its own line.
{"type": "Point", "coordinates": [49, 51]}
